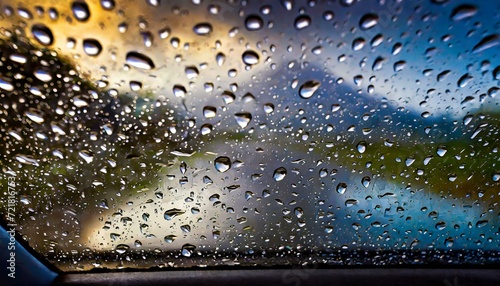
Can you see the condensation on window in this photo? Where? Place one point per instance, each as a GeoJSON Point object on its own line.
{"type": "Point", "coordinates": [203, 133]}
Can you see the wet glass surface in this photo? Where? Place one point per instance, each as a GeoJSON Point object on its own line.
{"type": "Point", "coordinates": [203, 133]}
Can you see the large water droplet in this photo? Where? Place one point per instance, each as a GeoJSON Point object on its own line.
{"type": "Point", "coordinates": [87, 156]}
{"type": "Point", "coordinates": [366, 181]}
{"type": "Point", "coordinates": [43, 75]}
{"type": "Point", "coordinates": [172, 213]}
{"type": "Point", "coordinates": [139, 61]}
{"type": "Point", "coordinates": [361, 147]}
{"type": "Point", "coordinates": [287, 4]}
{"type": "Point", "coordinates": [209, 111]}
{"type": "Point", "coordinates": [35, 115]}
{"type": "Point", "coordinates": [80, 11]}
{"type": "Point", "coordinates": [42, 34]}
{"type": "Point", "coordinates": [279, 174]}
{"type": "Point", "coordinates": [222, 164]}
{"type": "Point", "coordinates": [202, 29]}
{"type": "Point", "coordinates": [179, 90]}
{"type": "Point", "coordinates": [463, 12]}
{"type": "Point", "coordinates": [341, 188]}
{"type": "Point", "coordinates": [254, 23]}
{"type": "Point", "coordinates": [187, 250]}
{"type": "Point", "coordinates": [250, 58]}
{"type": "Point", "coordinates": [6, 85]}
{"type": "Point", "coordinates": [368, 21]}
{"type": "Point", "coordinates": [169, 238]}
{"type": "Point", "coordinates": [122, 248]}
{"type": "Point", "coordinates": [302, 22]}
{"type": "Point", "coordinates": [92, 47]}
{"type": "Point", "coordinates": [309, 88]}
{"type": "Point", "coordinates": [487, 43]}
{"type": "Point", "coordinates": [243, 119]}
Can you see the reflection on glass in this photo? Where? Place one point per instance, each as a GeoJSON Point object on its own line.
{"type": "Point", "coordinates": [203, 133]}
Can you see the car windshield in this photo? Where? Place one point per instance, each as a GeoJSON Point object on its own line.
{"type": "Point", "coordinates": [166, 134]}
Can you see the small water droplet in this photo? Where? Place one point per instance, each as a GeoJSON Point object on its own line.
{"type": "Point", "coordinates": [108, 4]}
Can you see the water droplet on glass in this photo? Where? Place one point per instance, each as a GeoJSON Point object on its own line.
{"type": "Point", "coordinates": [243, 119]}
{"type": "Point", "coordinates": [222, 164]}
{"type": "Point", "coordinates": [80, 11]}
{"type": "Point", "coordinates": [179, 90]}
{"type": "Point", "coordinates": [358, 44]}
{"type": "Point", "coordinates": [487, 43]}
{"type": "Point", "coordinates": [250, 58]}
{"type": "Point", "coordinates": [287, 4]}
{"type": "Point", "coordinates": [341, 188]}
{"type": "Point", "coordinates": [463, 12]}
{"type": "Point", "coordinates": [108, 4]}
{"type": "Point", "coordinates": [87, 156]}
{"type": "Point", "coordinates": [191, 72]}
{"type": "Point", "coordinates": [43, 75]}
{"type": "Point", "coordinates": [361, 147]}
{"type": "Point", "coordinates": [220, 58]}
{"type": "Point", "coordinates": [299, 212]}
{"type": "Point", "coordinates": [6, 85]}
{"type": "Point", "coordinates": [135, 85]}
{"type": "Point", "coordinates": [351, 202]}
{"type": "Point", "coordinates": [366, 181]}
{"type": "Point", "coordinates": [308, 89]}
{"type": "Point", "coordinates": [92, 47]}
{"type": "Point", "coordinates": [154, 3]}
{"type": "Point", "coordinates": [202, 29]}
{"type": "Point", "coordinates": [139, 61]}
{"type": "Point", "coordinates": [209, 111]}
{"type": "Point", "coordinates": [169, 238]}
{"type": "Point", "coordinates": [368, 21]}
{"type": "Point", "coordinates": [254, 23]}
{"type": "Point", "coordinates": [441, 151]}
{"type": "Point", "coordinates": [187, 250]}
{"type": "Point", "coordinates": [279, 174]}
{"type": "Point", "coordinates": [42, 34]}
{"type": "Point", "coordinates": [172, 213]}
{"type": "Point", "coordinates": [122, 248]}
{"type": "Point", "coordinates": [302, 22]}
{"type": "Point", "coordinates": [35, 115]}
